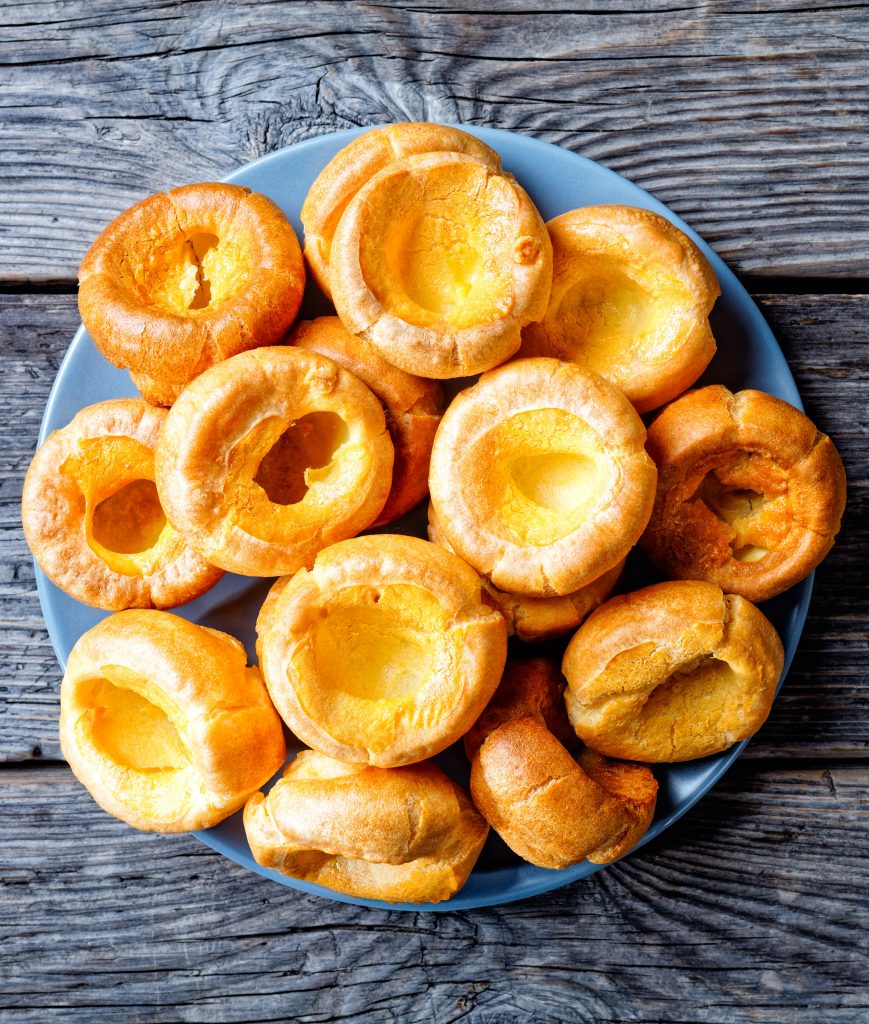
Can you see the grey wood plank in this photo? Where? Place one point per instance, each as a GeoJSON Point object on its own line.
{"type": "Point", "coordinates": [749, 118]}
{"type": "Point", "coordinates": [752, 908]}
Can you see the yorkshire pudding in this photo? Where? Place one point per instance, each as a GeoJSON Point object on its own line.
{"type": "Point", "coordinates": [187, 278]}
{"type": "Point", "coordinates": [163, 723]}
{"type": "Point", "coordinates": [413, 406]}
{"type": "Point", "coordinates": [672, 672]}
{"type": "Point", "coordinates": [440, 261]}
{"type": "Point", "coordinates": [357, 163]}
{"type": "Point", "coordinates": [548, 807]}
{"type": "Point", "coordinates": [271, 455]}
{"type": "Point", "coordinates": [631, 296]}
{"type": "Point", "coordinates": [539, 478]}
{"type": "Point", "coordinates": [750, 492]}
{"type": "Point", "coordinates": [384, 652]}
{"type": "Point", "coordinates": [539, 618]}
{"type": "Point", "coordinates": [396, 834]}
{"type": "Point", "coordinates": [92, 517]}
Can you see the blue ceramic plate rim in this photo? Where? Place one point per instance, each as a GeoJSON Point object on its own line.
{"type": "Point", "coordinates": [502, 885]}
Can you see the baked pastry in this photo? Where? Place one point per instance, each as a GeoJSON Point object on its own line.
{"type": "Point", "coordinates": [672, 672]}
{"type": "Point", "coordinates": [548, 807]}
{"type": "Point", "coordinates": [271, 455]}
{"type": "Point", "coordinates": [163, 724]}
{"type": "Point", "coordinates": [413, 406]}
{"type": "Point", "coordinates": [92, 517]}
{"type": "Point", "coordinates": [357, 163]}
{"type": "Point", "coordinates": [440, 261]}
{"type": "Point", "coordinates": [539, 478]}
{"type": "Point", "coordinates": [538, 618]}
{"type": "Point", "coordinates": [384, 653]}
{"type": "Point", "coordinates": [187, 278]}
{"type": "Point", "coordinates": [750, 492]}
{"type": "Point", "coordinates": [396, 834]}
{"type": "Point", "coordinates": [631, 297]}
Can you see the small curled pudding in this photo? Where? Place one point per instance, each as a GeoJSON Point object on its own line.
{"type": "Point", "coordinates": [93, 519]}
{"type": "Point", "coordinates": [672, 672]}
{"type": "Point", "coordinates": [413, 406]}
{"type": "Point", "coordinates": [163, 723]}
{"type": "Point", "coordinates": [271, 455]}
{"type": "Point", "coordinates": [539, 618]}
{"type": "Point", "coordinates": [187, 278]}
{"type": "Point", "coordinates": [440, 261]}
{"type": "Point", "coordinates": [539, 478]}
{"type": "Point", "coordinates": [384, 653]}
{"type": "Point", "coordinates": [396, 834]}
{"type": "Point", "coordinates": [548, 807]}
{"type": "Point", "coordinates": [357, 163]}
{"type": "Point", "coordinates": [750, 492]}
{"type": "Point", "coordinates": [631, 297]}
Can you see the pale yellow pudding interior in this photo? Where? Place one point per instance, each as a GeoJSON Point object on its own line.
{"type": "Point", "coordinates": [542, 473]}
{"type": "Point", "coordinates": [309, 443]}
{"type": "Point", "coordinates": [433, 250]}
{"type": "Point", "coordinates": [130, 520]}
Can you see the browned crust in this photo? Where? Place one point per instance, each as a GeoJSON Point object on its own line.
{"type": "Point", "coordinates": [632, 692]}
{"type": "Point", "coordinates": [354, 165]}
{"type": "Point", "coordinates": [444, 352]}
{"type": "Point", "coordinates": [413, 406]}
{"type": "Point", "coordinates": [689, 438]}
{"type": "Point", "coordinates": [165, 350]}
{"type": "Point", "coordinates": [54, 516]}
{"type": "Point", "coordinates": [644, 240]}
{"type": "Point", "coordinates": [219, 707]}
{"type": "Point", "coordinates": [396, 834]}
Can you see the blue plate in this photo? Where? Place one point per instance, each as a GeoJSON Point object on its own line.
{"type": "Point", "coordinates": [557, 180]}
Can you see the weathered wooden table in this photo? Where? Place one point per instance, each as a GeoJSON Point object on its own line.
{"type": "Point", "coordinates": [751, 119]}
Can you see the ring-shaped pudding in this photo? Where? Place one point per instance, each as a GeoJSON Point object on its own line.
{"type": "Point", "coordinates": [413, 406]}
{"type": "Point", "coordinates": [270, 456]}
{"type": "Point", "coordinates": [164, 724]}
{"type": "Point", "coordinates": [440, 261]}
{"type": "Point", "coordinates": [631, 297]}
{"type": "Point", "coordinates": [750, 492]}
{"type": "Point", "coordinates": [384, 653]}
{"type": "Point", "coordinates": [552, 809]}
{"type": "Point", "coordinates": [406, 835]}
{"type": "Point", "coordinates": [672, 672]}
{"type": "Point", "coordinates": [93, 519]}
{"type": "Point", "coordinates": [187, 278]}
{"type": "Point", "coordinates": [532, 619]}
{"type": "Point", "coordinates": [357, 163]}
{"type": "Point", "coordinates": [539, 478]}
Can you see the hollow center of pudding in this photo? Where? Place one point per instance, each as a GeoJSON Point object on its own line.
{"type": "Point", "coordinates": [307, 445]}
{"type": "Point", "coordinates": [194, 272]}
{"type": "Point", "coordinates": [133, 732]}
{"type": "Point", "coordinates": [434, 251]}
{"type": "Point", "coordinates": [131, 520]}
{"type": "Point", "coordinates": [545, 471]}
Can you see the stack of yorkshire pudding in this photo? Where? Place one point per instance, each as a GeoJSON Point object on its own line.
{"type": "Point", "coordinates": [265, 447]}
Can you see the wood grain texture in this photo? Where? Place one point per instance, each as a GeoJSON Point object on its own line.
{"type": "Point", "coordinates": [823, 710]}
{"type": "Point", "coordinates": [748, 118]}
{"type": "Point", "coordinates": [752, 908]}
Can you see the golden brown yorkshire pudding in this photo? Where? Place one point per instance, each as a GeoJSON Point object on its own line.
{"type": "Point", "coordinates": [357, 163]}
{"type": "Point", "coordinates": [271, 455]}
{"type": "Point", "coordinates": [538, 618]}
{"type": "Point", "coordinates": [384, 652]}
{"type": "Point", "coordinates": [186, 278]}
{"type": "Point", "coordinates": [539, 478]}
{"type": "Point", "coordinates": [440, 261]}
{"type": "Point", "coordinates": [397, 834]}
{"type": "Point", "coordinates": [413, 406]}
{"type": "Point", "coordinates": [163, 723]}
{"type": "Point", "coordinates": [92, 517]}
{"type": "Point", "coordinates": [750, 492]}
{"type": "Point", "coordinates": [672, 672]}
{"type": "Point", "coordinates": [549, 808]}
{"type": "Point", "coordinates": [631, 296]}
